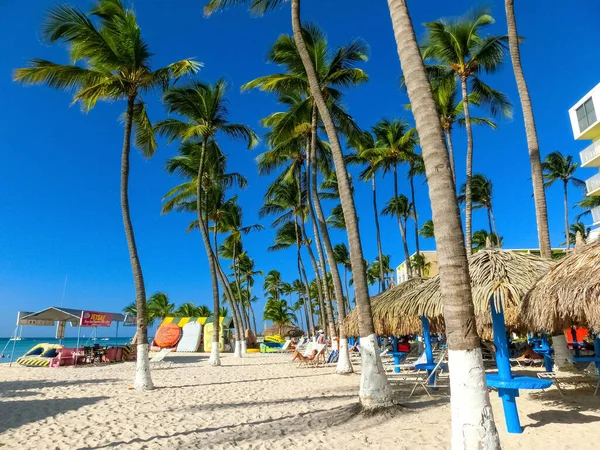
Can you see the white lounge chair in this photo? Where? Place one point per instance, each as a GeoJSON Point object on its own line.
{"type": "Point", "coordinates": [160, 356]}
{"type": "Point", "coordinates": [285, 347]}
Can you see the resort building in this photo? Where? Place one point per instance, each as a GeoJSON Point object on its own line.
{"type": "Point", "coordinates": [585, 121]}
{"type": "Point", "coordinates": [431, 268]}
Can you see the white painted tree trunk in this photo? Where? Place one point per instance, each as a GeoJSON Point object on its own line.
{"type": "Point", "coordinates": [214, 359]}
{"type": "Point", "coordinates": [344, 365]}
{"type": "Point", "coordinates": [237, 352]}
{"type": "Point", "coordinates": [472, 418]}
{"type": "Point", "coordinates": [375, 390]}
{"type": "Point", "coordinates": [143, 380]}
{"type": "Point", "coordinates": [563, 360]}
{"type": "Point", "coordinates": [244, 346]}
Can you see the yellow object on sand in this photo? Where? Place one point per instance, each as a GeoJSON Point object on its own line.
{"type": "Point", "coordinates": [275, 338]}
{"type": "Point", "coordinates": [40, 355]}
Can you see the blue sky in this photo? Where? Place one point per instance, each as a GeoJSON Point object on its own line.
{"type": "Point", "coordinates": [59, 208]}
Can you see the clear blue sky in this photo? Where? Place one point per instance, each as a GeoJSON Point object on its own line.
{"type": "Point", "coordinates": [59, 206]}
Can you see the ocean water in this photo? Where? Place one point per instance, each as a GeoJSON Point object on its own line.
{"type": "Point", "coordinates": [23, 346]}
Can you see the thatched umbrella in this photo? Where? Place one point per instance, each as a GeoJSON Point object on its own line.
{"type": "Point", "coordinates": [569, 294]}
{"type": "Point", "coordinates": [387, 321]}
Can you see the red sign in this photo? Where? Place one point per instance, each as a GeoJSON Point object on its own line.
{"type": "Point", "coordinates": [95, 319]}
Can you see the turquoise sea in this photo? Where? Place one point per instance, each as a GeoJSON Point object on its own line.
{"type": "Point", "coordinates": [23, 346]}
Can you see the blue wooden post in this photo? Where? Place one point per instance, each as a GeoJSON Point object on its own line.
{"type": "Point", "coordinates": [547, 356]}
{"type": "Point", "coordinates": [428, 349]}
{"type": "Point", "coordinates": [394, 343]}
{"type": "Point", "coordinates": [597, 352]}
{"type": "Point", "coordinates": [511, 415]}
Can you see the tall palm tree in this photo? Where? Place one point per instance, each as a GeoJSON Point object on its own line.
{"type": "Point", "coordinates": [363, 142]}
{"type": "Point", "coordinates": [402, 209]}
{"type": "Point", "coordinates": [481, 237]}
{"type": "Point", "coordinates": [375, 390]}
{"type": "Point", "coordinates": [470, 401]}
{"type": "Point", "coordinates": [460, 46]}
{"type": "Point", "coordinates": [248, 272]}
{"type": "Point", "coordinates": [187, 309]}
{"type": "Point", "coordinates": [427, 230]}
{"type": "Point", "coordinates": [299, 288]}
{"type": "Point", "coordinates": [342, 256]}
{"type": "Point", "coordinates": [580, 228]}
{"type": "Point", "coordinates": [537, 178]}
{"type": "Point", "coordinates": [204, 110]}
{"type": "Point", "coordinates": [558, 167]}
{"type": "Point", "coordinates": [279, 313]}
{"type": "Point", "coordinates": [481, 196]}
{"type": "Point", "coordinates": [587, 204]}
{"type": "Point", "coordinates": [160, 306]}
{"type": "Point", "coordinates": [205, 311]}
{"type": "Point", "coordinates": [273, 283]}
{"type": "Point", "coordinates": [378, 265]}
{"type": "Point", "coordinates": [116, 66]}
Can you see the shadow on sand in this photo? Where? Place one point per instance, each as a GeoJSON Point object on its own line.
{"type": "Point", "coordinates": [21, 412]}
{"type": "Point", "coordinates": [284, 427]}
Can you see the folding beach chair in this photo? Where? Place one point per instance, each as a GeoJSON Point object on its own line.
{"type": "Point", "coordinates": [562, 381]}
{"type": "Point", "coordinates": [285, 347]}
{"type": "Point", "coordinates": [435, 380]}
{"type": "Point", "coordinates": [160, 356]}
{"type": "Point", "coordinates": [313, 359]}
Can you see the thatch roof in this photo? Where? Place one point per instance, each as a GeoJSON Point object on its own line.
{"type": "Point", "coordinates": [505, 275]}
{"type": "Point", "coordinates": [286, 330]}
{"type": "Point", "coordinates": [568, 295]}
{"type": "Point", "coordinates": [387, 324]}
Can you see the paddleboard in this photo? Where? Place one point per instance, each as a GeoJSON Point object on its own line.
{"type": "Point", "coordinates": [190, 341]}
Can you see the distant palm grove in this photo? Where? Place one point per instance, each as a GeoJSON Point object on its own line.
{"type": "Point", "coordinates": [316, 156]}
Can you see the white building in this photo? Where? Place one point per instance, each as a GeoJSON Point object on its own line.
{"type": "Point", "coordinates": [585, 121]}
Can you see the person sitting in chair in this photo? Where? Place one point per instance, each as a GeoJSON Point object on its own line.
{"type": "Point", "coordinates": [300, 357]}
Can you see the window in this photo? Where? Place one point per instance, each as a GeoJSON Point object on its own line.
{"type": "Point", "coordinates": [586, 116]}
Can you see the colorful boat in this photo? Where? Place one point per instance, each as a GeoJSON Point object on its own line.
{"type": "Point", "coordinates": [40, 355]}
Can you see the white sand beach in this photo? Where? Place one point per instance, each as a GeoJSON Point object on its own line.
{"type": "Point", "coordinates": [258, 402]}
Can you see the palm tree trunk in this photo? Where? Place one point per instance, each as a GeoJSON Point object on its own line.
{"type": "Point", "coordinates": [494, 225]}
{"type": "Point", "coordinates": [378, 234]}
{"type": "Point", "coordinates": [404, 246]}
{"type": "Point", "coordinates": [375, 390]}
{"type": "Point", "coordinates": [237, 321]}
{"type": "Point", "coordinates": [214, 352]}
{"type": "Point", "coordinates": [448, 135]}
{"type": "Point", "coordinates": [416, 221]}
{"type": "Point", "coordinates": [468, 196]}
{"type": "Point", "coordinates": [302, 274]}
{"type": "Point", "coordinates": [472, 418]}
{"type": "Point", "coordinates": [539, 194]}
{"type": "Point", "coordinates": [343, 365]}
{"type": "Point", "coordinates": [566, 205]}
{"type": "Point", "coordinates": [143, 380]}
{"type": "Point", "coordinates": [489, 217]}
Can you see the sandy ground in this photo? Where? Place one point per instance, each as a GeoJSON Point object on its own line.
{"type": "Point", "coordinates": [259, 402]}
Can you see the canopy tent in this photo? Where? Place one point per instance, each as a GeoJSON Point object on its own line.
{"type": "Point", "coordinates": [76, 317]}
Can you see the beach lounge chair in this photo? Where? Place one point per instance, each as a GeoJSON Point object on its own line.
{"type": "Point", "coordinates": [562, 381]}
{"type": "Point", "coordinates": [285, 347]}
{"type": "Point", "coordinates": [434, 380]}
{"type": "Point", "coordinates": [160, 356]}
{"type": "Point", "coordinates": [317, 355]}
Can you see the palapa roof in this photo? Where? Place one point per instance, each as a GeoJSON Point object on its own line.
{"type": "Point", "coordinates": [568, 295]}
{"type": "Point", "coordinates": [286, 330]}
{"type": "Point", "coordinates": [507, 276]}
{"type": "Point", "coordinates": [387, 321]}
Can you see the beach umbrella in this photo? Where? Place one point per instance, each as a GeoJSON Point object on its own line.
{"type": "Point", "coordinates": [387, 321]}
{"type": "Point", "coordinates": [499, 281]}
{"type": "Point", "coordinates": [568, 295]}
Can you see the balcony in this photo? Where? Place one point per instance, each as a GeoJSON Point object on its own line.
{"type": "Point", "coordinates": [593, 185]}
{"type": "Point", "coordinates": [590, 157]}
{"type": "Point", "coordinates": [596, 215]}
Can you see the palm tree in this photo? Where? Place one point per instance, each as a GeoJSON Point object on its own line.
{"type": "Point", "coordinates": [299, 288]}
{"type": "Point", "coordinates": [375, 390]}
{"type": "Point", "coordinates": [205, 311]}
{"type": "Point", "coordinates": [363, 142]}
{"type": "Point", "coordinates": [247, 272]}
{"type": "Point", "coordinates": [204, 110]}
{"type": "Point", "coordinates": [427, 230]}
{"type": "Point", "coordinates": [558, 167]}
{"type": "Point", "coordinates": [460, 46]}
{"type": "Point", "coordinates": [223, 311]}
{"type": "Point", "coordinates": [469, 395]}
{"type": "Point", "coordinates": [451, 110]}
{"type": "Point", "coordinates": [480, 240]}
{"type": "Point", "coordinates": [401, 208]}
{"type": "Point", "coordinates": [279, 313]}
{"type": "Point", "coordinates": [160, 306]}
{"type": "Point", "coordinates": [481, 196]}
{"type": "Point", "coordinates": [376, 267]}
{"type": "Point", "coordinates": [580, 228]}
{"type": "Point", "coordinates": [110, 72]}
{"type": "Point", "coordinates": [187, 309]}
{"type": "Point", "coordinates": [539, 195]}
{"type": "Point", "coordinates": [419, 262]}
{"type": "Point", "coordinates": [587, 204]}
{"type": "Point", "coordinates": [342, 256]}
{"type": "Point", "coordinates": [273, 283]}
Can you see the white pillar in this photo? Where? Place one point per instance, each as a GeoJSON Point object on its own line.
{"type": "Point", "coordinates": [375, 390]}
{"type": "Point", "coordinates": [214, 359]}
{"type": "Point", "coordinates": [143, 380]}
{"type": "Point", "coordinates": [344, 366]}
